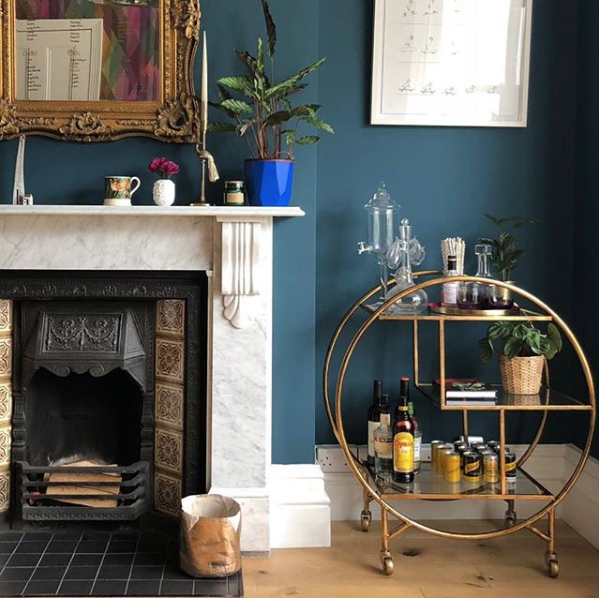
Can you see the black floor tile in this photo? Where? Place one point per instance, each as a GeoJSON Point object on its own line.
{"type": "Point", "coordinates": [7, 547]}
{"type": "Point", "coordinates": [92, 547]}
{"type": "Point", "coordinates": [17, 574]}
{"type": "Point", "coordinates": [75, 588]}
{"type": "Point", "coordinates": [55, 560]}
{"type": "Point", "coordinates": [37, 536]}
{"type": "Point", "coordinates": [236, 584]}
{"type": "Point", "coordinates": [3, 559]}
{"type": "Point", "coordinates": [138, 587]}
{"type": "Point", "coordinates": [23, 560]}
{"type": "Point", "coordinates": [36, 547]}
{"type": "Point", "coordinates": [46, 587]}
{"type": "Point", "coordinates": [42, 573]}
{"type": "Point", "coordinates": [119, 559]}
{"type": "Point", "coordinates": [109, 588]}
{"type": "Point", "coordinates": [171, 587]}
{"type": "Point", "coordinates": [145, 559]}
{"type": "Point", "coordinates": [87, 560]}
{"type": "Point", "coordinates": [210, 587]}
{"type": "Point", "coordinates": [11, 588]}
{"type": "Point", "coordinates": [81, 573]}
{"type": "Point", "coordinates": [125, 536]}
{"type": "Point", "coordinates": [122, 546]}
{"type": "Point", "coordinates": [114, 572]}
{"type": "Point", "coordinates": [151, 545]}
{"type": "Point", "coordinates": [174, 572]}
{"type": "Point", "coordinates": [10, 536]}
{"type": "Point", "coordinates": [61, 546]}
{"type": "Point", "coordinates": [146, 573]}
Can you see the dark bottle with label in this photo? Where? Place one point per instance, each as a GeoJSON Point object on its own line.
{"type": "Point", "coordinates": [417, 437]}
{"type": "Point", "coordinates": [374, 418]}
{"type": "Point", "coordinates": [403, 438]}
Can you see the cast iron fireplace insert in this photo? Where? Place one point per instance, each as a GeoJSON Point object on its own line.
{"type": "Point", "coordinates": [85, 384]}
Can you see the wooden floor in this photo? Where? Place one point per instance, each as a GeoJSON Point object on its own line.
{"type": "Point", "coordinates": [427, 567]}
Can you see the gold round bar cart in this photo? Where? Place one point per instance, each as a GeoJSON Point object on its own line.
{"type": "Point", "coordinates": [430, 488]}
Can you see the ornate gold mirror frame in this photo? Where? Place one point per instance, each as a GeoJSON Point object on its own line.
{"type": "Point", "coordinates": [174, 118]}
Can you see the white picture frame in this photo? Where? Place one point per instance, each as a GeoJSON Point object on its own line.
{"type": "Point", "coordinates": [458, 63]}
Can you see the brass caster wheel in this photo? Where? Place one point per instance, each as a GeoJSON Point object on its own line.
{"type": "Point", "coordinates": [365, 520]}
{"type": "Point", "coordinates": [388, 565]}
{"type": "Point", "coordinates": [510, 518]}
{"type": "Point", "coordinates": [553, 569]}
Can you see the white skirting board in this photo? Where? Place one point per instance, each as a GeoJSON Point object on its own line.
{"type": "Point", "coordinates": [304, 500]}
{"type": "Point", "coordinates": [550, 464]}
{"type": "Point", "coordinates": [300, 509]}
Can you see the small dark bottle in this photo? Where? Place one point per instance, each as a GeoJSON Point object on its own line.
{"type": "Point", "coordinates": [374, 418]}
{"type": "Point", "coordinates": [403, 438]}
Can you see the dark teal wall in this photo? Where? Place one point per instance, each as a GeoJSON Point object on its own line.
{"type": "Point", "coordinates": [70, 173]}
{"type": "Point", "coordinates": [587, 187]}
{"type": "Point", "coordinates": [445, 179]}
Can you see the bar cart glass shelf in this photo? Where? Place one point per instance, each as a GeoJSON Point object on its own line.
{"type": "Point", "coordinates": [430, 486]}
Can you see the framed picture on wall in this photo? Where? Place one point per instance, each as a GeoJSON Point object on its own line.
{"type": "Point", "coordinates": [461, 63]}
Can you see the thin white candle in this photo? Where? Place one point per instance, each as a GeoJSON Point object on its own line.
{"type": "Point", "coordinates": [204, 95]}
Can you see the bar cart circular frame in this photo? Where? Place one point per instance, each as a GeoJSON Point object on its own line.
{"type": "Point", "coordinates": [372, 491]}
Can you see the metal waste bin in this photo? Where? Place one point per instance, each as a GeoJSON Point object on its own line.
{"type": "Point", "coordinates": [210, 534]}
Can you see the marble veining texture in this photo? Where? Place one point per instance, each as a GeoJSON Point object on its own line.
{"type": "Point", "coordinates": [240, 360]}
{"type": "Point", "coordinates": [36, 242]}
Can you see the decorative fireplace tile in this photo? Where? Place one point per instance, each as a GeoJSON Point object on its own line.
{"type": "Point", "coordinates": [4, 491]}
{"type": "Point", "coordinates": [169, 451]}
{"type": "Point", "coordinates": [170, 360]}
{"type": "Point", "coordinates": [5, 357]}
{"type": "Point", "coordinates": [5, 315]}
{"type": "Point", "coordinates": [170, 319]}
{"type": "Point", "coordinates": [169, 405]}
{"type": "Point", "coordinates": [5, 402]}
{"type": "Point", "coordinates": [5, 446]}
{"type": "Point", "coordinates": [167, 494]}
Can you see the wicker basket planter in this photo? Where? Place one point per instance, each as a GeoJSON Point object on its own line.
{"type": "Point", "coordinates": [522, 375]}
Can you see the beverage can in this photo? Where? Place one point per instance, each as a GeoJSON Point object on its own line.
{"type": "Point", "coordinates": [472, 467]}
{"type": "Point", "coordinates": [491, 468]}
{"type": "Point", "coordinates": [452, 467]}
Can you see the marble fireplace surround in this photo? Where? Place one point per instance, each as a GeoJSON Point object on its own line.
{"type": "Point", "coordinates": [234, 247]}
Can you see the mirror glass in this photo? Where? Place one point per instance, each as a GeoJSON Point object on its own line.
{"type": "Point", "coordinates": [87, 50]}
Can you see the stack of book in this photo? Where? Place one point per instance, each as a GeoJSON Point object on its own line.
{"type": "Point", "coordinates": [467, 391]}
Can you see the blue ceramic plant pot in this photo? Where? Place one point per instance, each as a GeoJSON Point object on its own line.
{"type": "Point", "coordinates": [268, 182]}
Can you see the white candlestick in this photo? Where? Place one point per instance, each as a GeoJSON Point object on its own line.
{"type": "Point", "coordinates": [204, 95]}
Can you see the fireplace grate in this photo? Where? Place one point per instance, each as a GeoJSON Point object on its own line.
{"type": "Point", "coordinates": [43, 498]}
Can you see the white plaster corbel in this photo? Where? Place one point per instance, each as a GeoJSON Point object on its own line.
{"type": "Point", "coordinates": [241, 269]}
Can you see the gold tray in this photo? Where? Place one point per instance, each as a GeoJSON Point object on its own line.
{"type": "Point", "coordinates": [456, 311]}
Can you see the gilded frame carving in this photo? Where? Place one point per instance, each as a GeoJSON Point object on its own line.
{"type": "Point", "coordinates": [174, 119]}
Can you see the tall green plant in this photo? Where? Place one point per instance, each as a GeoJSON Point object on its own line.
{"type": "Point", "coordinates": [506, 247]}
{"type": "Point", "coordinates": [262, 112]}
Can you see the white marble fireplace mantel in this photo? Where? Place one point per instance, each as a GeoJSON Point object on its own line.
{"type": "Point", "coordinates": [234, 246]}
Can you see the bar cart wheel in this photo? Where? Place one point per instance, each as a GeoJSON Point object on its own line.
{"type": "Point", "coordinates": [510, 518]}
{"type": "Point", "coordinates": [552, 564]}
{"type": "Point", "coordinates": [387, 565]}
{"type": "Point", "coordinates": [365, 520]}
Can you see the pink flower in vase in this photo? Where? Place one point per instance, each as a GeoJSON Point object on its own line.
{"type": "Point", "coordinates": [164, 168]}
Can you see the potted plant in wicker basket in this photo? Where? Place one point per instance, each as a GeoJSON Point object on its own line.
{"type": "Point", "coordinates": [262, 113]}
{"type": "Point", "coordinates": [525, 349]}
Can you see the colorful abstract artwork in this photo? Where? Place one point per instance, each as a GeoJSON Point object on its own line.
{"type": "Point", "coordinates": [130, 43]}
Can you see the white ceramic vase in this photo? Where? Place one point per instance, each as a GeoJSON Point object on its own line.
{"type": "Point", "coordinates": [164, 192]}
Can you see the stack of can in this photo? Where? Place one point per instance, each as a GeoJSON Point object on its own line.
{"type": "Point", "coordinates": [471, 463]}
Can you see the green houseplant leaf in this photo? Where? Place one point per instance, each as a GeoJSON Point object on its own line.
{"type": "Point", "coordinates": [265, 116]}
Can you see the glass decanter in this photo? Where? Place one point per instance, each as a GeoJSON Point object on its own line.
{"type": "Point", "coordinates": [400, 256]}
{"type": "Point", "coordinates": [382, 211]}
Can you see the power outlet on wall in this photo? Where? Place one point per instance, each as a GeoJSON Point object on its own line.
{"type": "Point", "coordinates": [331, 458]}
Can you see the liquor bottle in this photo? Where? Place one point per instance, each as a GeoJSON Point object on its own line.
{"type": "Point", "coordinates": [374, 419]}
{"type": "Point", "coordinates": [449, 290]}
{"type": "Point", "coordinates": [403, 439]}
{"type": "Point", "coordinates": [417, 437]}
{"type": "Point", "coordinates": [383, 442]}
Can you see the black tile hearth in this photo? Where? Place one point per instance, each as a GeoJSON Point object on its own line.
{"type": "Point", "coordinates": [108, 564]}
